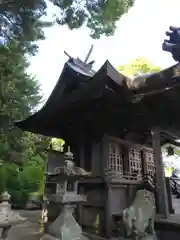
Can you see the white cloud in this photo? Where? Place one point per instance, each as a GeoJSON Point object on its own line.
{"type": "Point", "coordinates": [140, 33]}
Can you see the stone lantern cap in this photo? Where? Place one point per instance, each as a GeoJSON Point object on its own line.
{"type": "Point", "coordinates": [68, 155]}
{"type": "Point", "coordinates": [68, 170]}
{"type": "Point", "coordinates": [5, 196]}
{"type": "Point", "coordinates": [67, 198]}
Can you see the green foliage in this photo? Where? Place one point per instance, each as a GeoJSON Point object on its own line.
{"type": "Point", "coordinates": [100, 16]}
{"type": "Point", "coordinates": [19, 197]}
{"type": "Point", "coordinates": [23, 154]}
{"type": "Point", "coordinates": [21, 18]}
{"type": "Point", "coordinates": [21, 182]}
{"type": "Point", "coordinates": [176, 150]}
{"type": "Point", "coordinates": [3, 178]}
{"type": "Point", "coordinates": [13, 177]}
{"type": "Point", "coordinates": [13, 66]}
{"type": "Point", "coordinates": [34, 147]}
{"type": "Point", "coordinates": [21, 21]}
{"type": "Point", "coordinates": [20, 93]}
{"type": "Point", "coordinates": [57, 144]}
{"type": "Point", "coordinates": [138, 67]}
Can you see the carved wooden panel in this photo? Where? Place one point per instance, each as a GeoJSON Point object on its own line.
{"type": "Point", "coordinates": [135, 162]}
{"type": "Point", "coordinates": [149, 158]}
{"type": "Point", "coordinates": [115, 161]}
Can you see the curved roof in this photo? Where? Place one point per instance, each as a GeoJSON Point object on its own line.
{"type": "Point", "coordinates": [82, 94]}
{"type": "Point", "coordinates": [70, 88]}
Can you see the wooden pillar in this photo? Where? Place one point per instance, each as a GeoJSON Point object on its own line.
{"type": "Point", "coordinates": [97, 159]}
{"type": "Point", "coordinates": [108, 220]}
{"type": "Point", "coordinates": [126, 164]}
{"type": "Point", "coordinates": [162, 201]}
{"type": "Point", "coordinates": [144, 163]}
{"type": "Point", "coordinates": [105, 152]}
{"type": "Point", "coordinates": [169, 193]}
{"type": "Point", "coordinates": [82, 155]}
{"type": "Point", "coordinates": [81, 208]}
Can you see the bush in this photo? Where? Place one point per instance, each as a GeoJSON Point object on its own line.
{"type": "Point", "coordinates": [20, 183]}
{"type": "Point", "coordinates": [3, 178]}
{"type": "Point", "coordinates": [19, 198]}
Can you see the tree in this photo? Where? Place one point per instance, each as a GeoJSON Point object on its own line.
{"type": "Point", "coordinates": [57, 144]}
{"type": "Point", "coordinates": [21, 19]}
{"type": "Point", "coordinates": [22, 181]}
{"type": "Point", "coordinates": [22, 154]}
{"type": "Point", "coordinates": [20, 93]}
{"type": "Point", "coordinates": [100, 16]}
{"type": "Point", "coordinates": [138, 67]}
{"type": "Point", "coordinates": [34, 147]}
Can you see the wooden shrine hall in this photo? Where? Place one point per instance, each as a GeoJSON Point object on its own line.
{"type": "Point", "coordinates": [115, 126]}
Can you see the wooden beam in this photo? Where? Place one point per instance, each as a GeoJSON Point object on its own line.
{"type": "Point", "coordinates": [161, 191]}
{"type": "Point", "coordinates": [173, 133]}
{"type": "Point", "coordinates": [108, 213]}
{"type": "Point", "coordinates": [168, 139]}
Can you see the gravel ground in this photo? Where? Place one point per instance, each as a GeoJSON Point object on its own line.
{"type": "Point", "coordinates": [29, 230]}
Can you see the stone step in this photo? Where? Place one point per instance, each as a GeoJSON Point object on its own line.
{"type": "Point", "coordinates": [174, 196]}
{"type": "Point", "coordinates": [177, 211]}
{"type": "Point", "coordinates": [176, 199]}
{"type": "Point", "coordinates": [175, 203]}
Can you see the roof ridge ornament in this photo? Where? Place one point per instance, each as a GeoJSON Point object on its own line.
{"type": "Point", "coordinates": [81, 66]}
{"type": "Point", "coordinates": [172, 44]}
{"type": "Point", "coordinates": [70, 58]}
{"type": "Point", "coordinates": [86, 59]}
{"type": "Point", "coordinates": [88, 55]}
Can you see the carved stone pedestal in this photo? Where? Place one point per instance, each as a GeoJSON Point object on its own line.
{"type": "Point", "coordinates": [65, 227]}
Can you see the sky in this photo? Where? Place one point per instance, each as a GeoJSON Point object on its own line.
{"type": "Point", "coordinates": [140, 32]}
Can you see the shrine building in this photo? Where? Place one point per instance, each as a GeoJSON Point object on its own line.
{"type": "Point", "coordinates": [115, 127]}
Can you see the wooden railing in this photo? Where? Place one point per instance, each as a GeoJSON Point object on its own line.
{"type": "Point", "coordinates": [147, 178]}
{"type": "Point", "coordinates": [150, 180]}
{"type": "Point", "coordinates": [175, 186]}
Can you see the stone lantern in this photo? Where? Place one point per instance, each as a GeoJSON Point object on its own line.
{"type": "Point", "coordinates": [8, 218]}
{"type": "Point", "coordinates": [65, 226]}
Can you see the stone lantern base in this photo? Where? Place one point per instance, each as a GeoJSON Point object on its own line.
{"type": "Point", "coordinates": [65, 227]}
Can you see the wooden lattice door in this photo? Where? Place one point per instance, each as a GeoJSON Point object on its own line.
{"type": "Point", "coordinates": [150, 165]}
{"type": "Point", "coordinates": [135, 163]}
{"type": "Point", "coordinates": [115, 161]}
